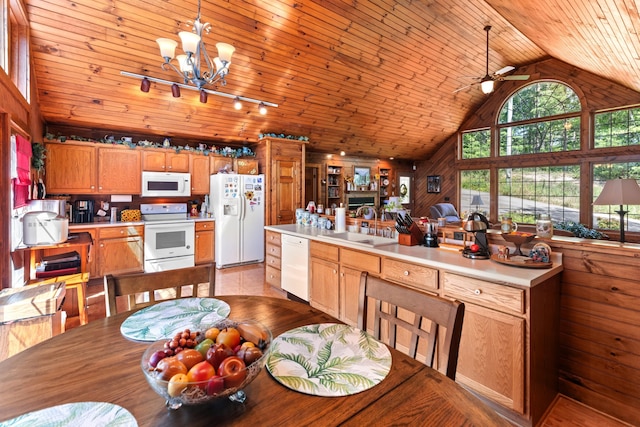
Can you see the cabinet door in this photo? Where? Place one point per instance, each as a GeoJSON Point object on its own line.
{"type": "Point", "coordinates": [119, 171]}
{"type": "Point", "coordinates": [70, 169]}
{"type": "Point", "coordinates": [204, 242]}
{"type": "Point", "coordinates": [288, 190]}
{"type": "Point", "coordinates": [349, 290]}
{"type": "Point", "coordinates": [219, 162]}
{"type": "Point", "coordinates": [177, 162]}
{"type": "Point", "coordinates": [325, 286]}
{"type": "Point", "coordinates": [121, 255]}
{"type": "Point", "coordinates": [92, 263]}
{"type": "Point", "coordinates": [153, 161]}
{"type": "Point", "coordinates": [491, 359]}
{"type": "Point", "coordinates": [199, 174]}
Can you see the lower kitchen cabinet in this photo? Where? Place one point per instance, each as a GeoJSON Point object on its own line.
{"type": "Point", "coordinates": [205, 251]}
{"type": "Point", "coordinates": [325, 286]}
{"type": "Point", "coordinates": [349, 293]}
{"type": "Point", "coordinates": [273, 259]}
{"type": "Point", "coordinates": [120, 250]}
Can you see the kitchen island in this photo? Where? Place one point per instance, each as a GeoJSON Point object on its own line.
{"type": "Point", "coordinates": [509, 347]}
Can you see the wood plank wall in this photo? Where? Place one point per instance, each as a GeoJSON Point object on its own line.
{"type": "Point", "coordinates": [600, 290]}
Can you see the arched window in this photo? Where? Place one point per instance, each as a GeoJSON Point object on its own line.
{"type": "Point", "coordinates": [543, 117]}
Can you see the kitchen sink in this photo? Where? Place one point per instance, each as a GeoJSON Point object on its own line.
{"type": "Point", "coordinates": [363, 239]}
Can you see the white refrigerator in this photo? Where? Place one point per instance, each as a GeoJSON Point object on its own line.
{"type": "Point", "coordinates": [238, 208]}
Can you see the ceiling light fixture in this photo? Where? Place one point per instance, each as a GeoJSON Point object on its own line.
{"type": "Point", "coordinates": [237, 104]}
{"type": "Point", "coordinates": [262, 108]}
{"type": "Point", "coordinates": [486, 84]}
{"type": "Point", "coordinates": [195, 66]}
{"type": "Point", "coordinates": [145, 85]}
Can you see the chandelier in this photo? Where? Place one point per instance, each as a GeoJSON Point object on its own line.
{"type": "Point", "coordinates": [195, 66]}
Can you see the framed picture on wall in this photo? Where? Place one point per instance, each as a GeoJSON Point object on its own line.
{"type": "Point", "coordinates": [433, 184]}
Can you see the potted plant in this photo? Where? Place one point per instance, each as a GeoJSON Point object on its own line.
{"type": "Point", "coordinates": [367, 212]}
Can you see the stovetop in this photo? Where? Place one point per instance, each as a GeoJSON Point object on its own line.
{"type": "Point", "coordinates": [164, 211]}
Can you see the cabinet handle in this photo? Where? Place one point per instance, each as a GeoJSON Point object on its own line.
{"type": "Point", "coordinates": [406, 272]}
{"type": "Point", "coordinates": [92, 187]}
{"type": "Point", "coordinates": [334, 271]}
{"type": "Point", "coordinates": [477, 292]}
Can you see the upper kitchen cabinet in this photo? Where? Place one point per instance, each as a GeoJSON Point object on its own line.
{"type": "Point", "coordinates": [119, 171]}
{"type": "Point", "coordinates": [70, 168]}
{"type": "Point", "coordinates": [200, 173]}
{"type": "Point", "coordinates": [162, 160]}
{"type": "Point", "coordinates": [219, 163]}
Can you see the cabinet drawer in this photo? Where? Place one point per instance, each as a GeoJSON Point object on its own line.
{"type": "Point", "coordinates": [114, 232]}
{"type": "Point", "coordinates": [324, 251]}
{"type": "Point", "coordinates": [273, 250]}
{"type": "Point", "coordinates": [490, 295]}
{"type": "Point", "coordinates": [413, 275]}
{"type": "Point", "coordinates": [272, 276]}
{"type": "Point", "coordinates": [359, 260]}
{"type": "Point", "coordinates": [273, 261]}
{"type": "Point", "coordinates": [273, 237]}
{"type": "Point", "coordinates": [204, 225]}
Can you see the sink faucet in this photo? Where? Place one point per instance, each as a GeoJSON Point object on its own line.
{"type": "Point", "coordinates": [375, 216]}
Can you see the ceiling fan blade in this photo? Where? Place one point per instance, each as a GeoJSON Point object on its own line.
{"type": "Point", "coordinates": [516, 77]}
{"type": "Point", "coordinates": [504, 70]}
{"type": "Point", "coordinates": [463, 88]}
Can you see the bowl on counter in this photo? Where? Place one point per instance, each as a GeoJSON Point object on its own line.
{"type": "Point", "coordinates": [191, 379]}
{"type": "Point", "coordinates": [518, 239]}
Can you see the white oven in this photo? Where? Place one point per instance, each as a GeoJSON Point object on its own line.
{"type": "Point", "coordinates": [169, 237]}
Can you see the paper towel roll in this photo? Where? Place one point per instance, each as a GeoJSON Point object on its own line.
{"type": "Point", "coordinates": [341, 219]}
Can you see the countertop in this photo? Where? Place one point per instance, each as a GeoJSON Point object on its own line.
{"type": "Point", "coordinates": [443, 259]}
{"type": "Point", "coordinates": [107, 223]}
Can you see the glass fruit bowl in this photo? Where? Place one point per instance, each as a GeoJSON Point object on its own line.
{"type": "Point", "coordinates": [212, 366]}
{"type": "Point", "coordinates": [518, 238]}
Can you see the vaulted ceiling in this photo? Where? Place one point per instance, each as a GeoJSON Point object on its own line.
{"type": "Point", "coordinates": [375, 78]}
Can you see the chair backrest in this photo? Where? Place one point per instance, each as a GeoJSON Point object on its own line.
{"type": "Point", "coordinates": [141, 288]}
{"type": "Point", "coordinates": [387, 298]}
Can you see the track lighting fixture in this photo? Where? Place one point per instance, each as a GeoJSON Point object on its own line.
{"type": "Point", "coordinates": [237, 104]}
{"type": "Point", "coordinates": [175, 90]}
{"type": "Point", "coordinates": [262, 108]}
{"type": "Point", "coordinates": [145, 85]}
{"type": "Point", "coordinates": [203, 96]}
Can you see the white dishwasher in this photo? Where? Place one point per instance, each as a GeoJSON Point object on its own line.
{"type": "Point", "coordinates": [295, 265]}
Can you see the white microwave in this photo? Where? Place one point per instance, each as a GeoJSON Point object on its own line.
{"type": "Point", "coordinates": [166, 184]}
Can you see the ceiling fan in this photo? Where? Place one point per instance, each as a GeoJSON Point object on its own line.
{"type": "Point", "coordinates": [487, 82]}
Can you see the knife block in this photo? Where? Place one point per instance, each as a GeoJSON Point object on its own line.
{"type": "Point", "coordinates": [412, 239]}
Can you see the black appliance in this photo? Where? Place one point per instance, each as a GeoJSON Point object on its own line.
{"type": "Point", "coordinates": [83, 211]}
{"type": "Point", "coordinates": [478, 225]}
{"type": "Point", "coordinates": [431, 237]}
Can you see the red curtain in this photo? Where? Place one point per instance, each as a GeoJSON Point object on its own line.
{"type": "Point", "coordinates": [22, 183]}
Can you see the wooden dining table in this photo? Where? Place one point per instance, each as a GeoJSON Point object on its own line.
{"type": "Point", "coordinates": [94, 362]}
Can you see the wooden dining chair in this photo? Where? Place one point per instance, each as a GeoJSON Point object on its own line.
{"type": "Point", "coordinates": [144, 289]}
{"type": "Point", "coordinates": [394, 306]}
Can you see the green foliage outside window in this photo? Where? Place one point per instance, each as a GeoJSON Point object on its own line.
{"type": "Point", "coordinates": [617, 128]}
{"type": "Point", "coordinates": [476, 144]}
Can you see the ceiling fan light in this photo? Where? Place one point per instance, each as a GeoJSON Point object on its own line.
{"type": "Point", "coordinates": [167, 47]}
{"type": "Point", "coordinates": [189, 41]}
{"type": "Point", "coordinates": [486, 86]}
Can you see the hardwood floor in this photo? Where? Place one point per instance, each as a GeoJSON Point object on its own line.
{"type": "Point", "coordinates": [249, 280]}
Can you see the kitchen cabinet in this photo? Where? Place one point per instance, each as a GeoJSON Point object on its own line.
{"type": "Point", "coordinates": [282, 161]}
{"type": "Point", "coordinates": [89, 168]}
{"type": "Point", "coordinates": [200, 173]}
{"type": "Point", "coordinates": [120, 250]}
{"type": "Point", "coordinates": [218, 163]}
{"type": "Point", "coordinates": [325, 282]}
{"type": "Point", "coordinates": [386, 184]}
{"type": "Point", "coordinates": [411, 275]}
{"type": "Point", "coordinates": [162, 160]}
{"type": "Point", "coordinates": [273, 269]}
{"type": "Point", "coordinates": [119, 171]}
{"type": "Point", "coordinates": [70, 168]}
{"type": "Point", "coordinates": [205, 250]}
{"type": "Point", "coordinates": [349, 294]}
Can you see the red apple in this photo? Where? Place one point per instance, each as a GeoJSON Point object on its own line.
{"type": "Point", "coordinates": [217, 353]}
{"type": "Point", "coordinates": [232, 370]}
{"type": "Point", "coordinates": [156, 357]}
{"type": "Point", "coordinates": [249, 354]}
{"type": "Point", "coordinates": [215, 385]}
{"type": "Point", "coordinates": [201, 373]}
{"type": "Point", "coordinates": [474, 248]}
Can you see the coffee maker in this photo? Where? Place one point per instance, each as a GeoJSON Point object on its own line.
{"type": "Point", "coordinates": [83, 211]}
{"type": "Point", "coordinates": [431, 237]}
{"type": "Point", "coordinates": [478, 225]}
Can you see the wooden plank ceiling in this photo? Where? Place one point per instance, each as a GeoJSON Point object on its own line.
{"type": "Point", "coordinates": [374, 78]}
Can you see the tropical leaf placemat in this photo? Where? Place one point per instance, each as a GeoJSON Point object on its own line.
{"type": "Point", "coordinates": [78, 414]}
{"type": "Point", "coordinates": [328, 359]}
{"type": "Point", "coordinates": [165, 319]}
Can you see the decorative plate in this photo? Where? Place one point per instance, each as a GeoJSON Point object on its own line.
{"type": "Point", "coordinates": [385, 182]}
{"type": "Point", "coordinates": [165, 319]}
{"type": "Point", "coordinates": [78, 414]}
{"type": "Point", "coordinates": [328, 359]}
